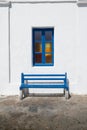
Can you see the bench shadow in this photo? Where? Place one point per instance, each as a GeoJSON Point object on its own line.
{"type": "Point", "coordinates": [45, 95]}
{"type": "Point", "coordinates": [27, 94]}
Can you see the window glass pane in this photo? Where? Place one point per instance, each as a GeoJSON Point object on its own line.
{"type": "Point", "coordinates": [38, 47]}
{"type": "Point", "coordinates": [38, 58]}
{"type": "Point", "coordinates": [37, 35]}
{"type": "Point", "coordinates": [48, 35]}
{"type": "Point", "coordinates": [48, 58]}
{"type": "Point", "coordinates": [48, 47]}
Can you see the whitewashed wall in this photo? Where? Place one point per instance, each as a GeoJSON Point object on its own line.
{"type": "Point", "coordinates": [4, 68]}
{"type": "Point", "coordinates": [3, 45]}
{"type": "Point", "coordinates": [69, 22]}
{"type": "Point", "coordinates": [82, 49]}
{"type": "Point", "coordinates": [60, 16]}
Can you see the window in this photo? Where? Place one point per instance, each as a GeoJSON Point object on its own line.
{"type": "Point", "coordinates": [43, 46]}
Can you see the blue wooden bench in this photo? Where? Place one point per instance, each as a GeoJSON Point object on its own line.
{"type": "Point", "coordinates": [55, 81]}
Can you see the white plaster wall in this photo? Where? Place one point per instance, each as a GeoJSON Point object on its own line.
{"type": "Point", "coordinates": [4, 67]}
{"type": "Point", "coordinates": [82, 50]}
{"type": "Point", "coordinates": [70, 43]}
{"type": "Point", "coordinates": [62, 17]}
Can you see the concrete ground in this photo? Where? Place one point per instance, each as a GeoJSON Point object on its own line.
{"type": "Point", "coordinates": [43, 113]}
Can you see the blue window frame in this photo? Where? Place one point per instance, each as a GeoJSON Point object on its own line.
{"type": "Point", "coordinates": [43, 46]}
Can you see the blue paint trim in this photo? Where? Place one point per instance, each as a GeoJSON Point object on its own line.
{"type": "Point", "coordinates": [36, 65]}
{"type": "Point", "coordinates": [22, 78]}
{"type": "Point", "coordinates": [43, 41]}
{"type": "Point", "coordinates": [60, 75]}
{"type": "Point", "coordinates": [53, 48]}
{"type": "Point", "coordinates": [33, 46]}
{"type": "Point", "coordinates": [44, 78]}
{"type": "Point", "coordinates": [43, 61]}
{"type": "Point", "coordinates": [28, 77]}
{"type": "Point", "coordinates": [42, 86]}
{"type": "Point", "coordinates": [38, 41]}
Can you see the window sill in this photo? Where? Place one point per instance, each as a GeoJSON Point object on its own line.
{"type": "Point", "coordinates": [43, 65]}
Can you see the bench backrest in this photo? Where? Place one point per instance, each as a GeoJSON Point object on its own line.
{"type": "Point", "coordinates": [29, 77]}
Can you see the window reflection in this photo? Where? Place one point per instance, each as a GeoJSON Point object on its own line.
{"type": "Point", "coordinates": [48, 35]}
{"type": "Point", "coordinates": [48, 47]}
{"type": "Point", "coordinates": [38, 58]}
{"type": "Point", "coordinates": [48, 58]}
{"type": "Point", "coordinates": [38, 47]}
{"type": "Point", "coordinates": [38, 35]}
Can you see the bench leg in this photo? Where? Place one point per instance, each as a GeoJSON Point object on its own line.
{"type": "Point", "coordinates": [66, 94]}
{"type": "Point", "coordinates": [26, 92]}
{"type": "Point", "coordinates": [64, 91]}
{"type": "Point", "coordinates": [21, 94]}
